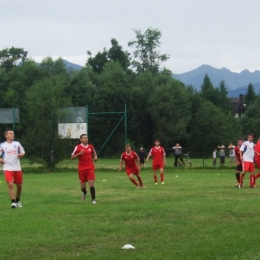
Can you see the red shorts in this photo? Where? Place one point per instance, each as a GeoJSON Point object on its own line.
{"type": "Point", "coordinates": [248, 166]}
{"type": "Point", "coordinates": [14, 176]}
{"type": "Point", "coordinates": [158, 167]}
{"type": "Point", "coordinates": [130, 171]}
{"type": "Point", "coordinates": [257, 161]}
{"type": "Point", "coordinates": [86, 175]}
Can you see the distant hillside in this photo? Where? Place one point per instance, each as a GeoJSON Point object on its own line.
{"type": "Point", "coordinates": [233, 80]}
{"type": "Point", "coordinates": [73, 66]}
{"type": "Point", "coordinates": [242, 90]}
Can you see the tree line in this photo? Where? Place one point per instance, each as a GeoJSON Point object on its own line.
{"type": "Point", "coordinates": [158, 106]}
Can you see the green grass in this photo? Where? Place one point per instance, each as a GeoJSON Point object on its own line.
{"type": "Point", "coordinates": [112, 164]}
{"type": "Point", "coordinates": [197, 215]}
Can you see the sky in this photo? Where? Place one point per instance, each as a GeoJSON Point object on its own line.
{"type": "Point", "coordinates": [220, 33]}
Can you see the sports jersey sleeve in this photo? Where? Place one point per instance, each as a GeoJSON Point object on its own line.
{"type": "Point", "coordinates": [20, 149]}
{"type": "Point", "coordinates": [75, 151]}
{"type": "Point", "coordinates": [151, 152]}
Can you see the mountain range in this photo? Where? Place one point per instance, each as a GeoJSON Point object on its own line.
{"type": "Point", "coordinates": [236, 83]}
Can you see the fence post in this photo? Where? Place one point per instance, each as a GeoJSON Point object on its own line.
{"type": "Point", "coordinates": [203, 156]}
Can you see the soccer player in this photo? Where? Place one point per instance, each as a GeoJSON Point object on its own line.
{"type": "Point", "coordinates": [132, 166]}
{"type": "Point", "coordinates": [11, 152]}
{"type": "Point", "coordinates": [238, 162]}
{"type": "Point", "coordinates": [159, 160]}
{"type": "Point", "coordinates": [257, 157]}
{"type": "Point", "coordinates": [232, 154]}
{"type": "Point", "coordinates": [247, 157]}
{"type": "Point", "coordinates": [86, 154]}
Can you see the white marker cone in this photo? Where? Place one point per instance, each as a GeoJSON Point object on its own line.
{"type": "Point", "coordinates": [127, 246]}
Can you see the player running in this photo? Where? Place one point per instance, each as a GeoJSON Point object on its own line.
{"type": "Point", "coordinates": [238, 162]}
{"type": "Point", "coordinates": [132, 166]}
{"type": "Point", "coordinates": [257, 157]}
{"type": "Point", "coordinates": [11, 152]}
{"type": "Point", "coordinates": [159, 160]}
{"type": "Point", "coordinates": [86, 154]}
{"type": "Point", "coordinates": [247, 157]}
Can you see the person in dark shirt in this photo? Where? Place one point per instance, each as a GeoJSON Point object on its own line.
{"type": "Point", "coordinates": [141, 155]}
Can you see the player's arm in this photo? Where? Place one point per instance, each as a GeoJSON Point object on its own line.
{"type": "Point", "coordinates": [20, 155]}
{"type": "Point", "coordinates": [74, 156]}
{"type": "Point", "coordinates": [164, 159]}
{"type": "Point", "coordinates": [120, 164]}
{"type": "Point", "coordinates": [148, 156]}
{"type": "Point", "coordinates": [94, 155]}
{"type": "Point", "coordinates": [137, 162]}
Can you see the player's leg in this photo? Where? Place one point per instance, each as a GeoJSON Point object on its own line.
{"type": "Point", "coordinates": [162, 174]}
{"type": "Point", "coordinates": [238, 171]}
{"type": "Point", "coordinates": [83, 189]}
{"type": "Point", "coordinates": [9, 177]}
{"type": "Point", "coordinates": [140, 180]}
{"type": "Point", "coordinates": [252, 175]}
{"type": "Point", "coordinates": [18, 180]}
{"type": "Point", "coordinates": [82, 181]}
{"type": "Point", "coordinates": [131, 178]}
{"type": "Point", "coordinates": [155, 175]}
{"type": "Point", "coordinates": [91, 179]}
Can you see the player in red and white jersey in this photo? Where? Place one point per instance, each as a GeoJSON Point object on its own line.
{"type": "Point", "coordinates": [11, 152]}
{"type": "Point", "coordinates": [247, 154]}
{"type": "Point", "coordinates": [239, 162]}
{"type": "Point", "coordinates": [159, 160]}
{"type": "Point", "coordinates": [257, 157]}
{"type": "Point", "coordinates": [132, 166]}
{"type": "Point", "coordinates": [86, 154]}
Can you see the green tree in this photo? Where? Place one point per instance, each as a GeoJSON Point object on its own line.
{"type": "Point", "coordinates": [146, 56]}
{"type": "Point", "coordinates": [251, 121]}
{"type": "Point", "coordinates": [223, 100]}
{"type": "Point", "coordinates": [9, 58]}
{"type": "Point", "coordinates": [42, 102]}
{"type": "Point", "coordinates": [211, 126]}
{"type": "Point", "coordinates": [169, 107]}
{"type": "Point", "coordinates": [115, 53]}
{"type": "Point", "coordinates": [208, 91]}
{"type": "Point", "coordinates": [250, 95]}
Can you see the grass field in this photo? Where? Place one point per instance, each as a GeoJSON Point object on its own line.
{"type": "Point", "coordinates": [197, 215]}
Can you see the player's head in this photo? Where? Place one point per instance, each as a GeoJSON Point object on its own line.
{"type": "Point", "coordinates": [157, 142]}
{"type": "Point", "coordinates": [128, 147]}
{"type": "Point", "coordinates": [230, 143]}
{"type": "Point", "coordinates": [83, 139]}
{"type": "Point", "coordinates": [177, 144]}
{"type": "Point", "coordinates": [250, 137]}
{"type": "Point", "coordinates": [141, 148]}
{"type": "Point", "coordinates": [9, 135]}
{"type": "Point", "coordinates": [239, 141]}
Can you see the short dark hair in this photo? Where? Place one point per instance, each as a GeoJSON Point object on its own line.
{"type": "Point", "coordinates": [250, 134]}
{"type": "Point", "coordinates": [157, 140]}
{"type": "Point", "coordinates": [127, 145]}
{"type": "Point", "coordinates": [82, 136]}
{"type": "Point", "coordinates": [7, 130]}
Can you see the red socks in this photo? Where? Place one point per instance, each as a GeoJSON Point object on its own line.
{"type": "Point", "coordinates": [252, 180]}
{"type": "Point", "coordinates": [140, 180]}
{"type": "Point", "coordinates": [242, 179]}
{"type": "Point", "coordinates": [134, 182]}
{"type": "Point", "coordinates": [155, 178]}
{"type": "Point", "coordinates": [162, 177]}
{"type": "Point", "coordinates": [257, 175]}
